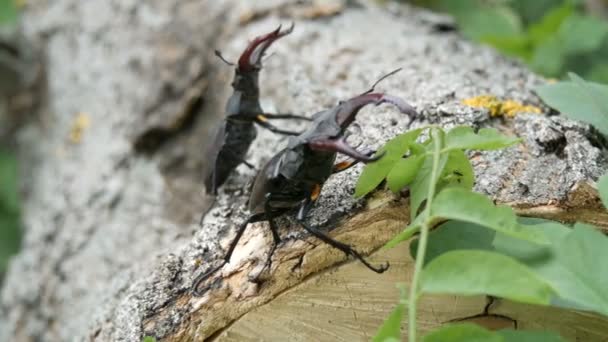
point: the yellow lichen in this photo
(80, 124)
(496, 107)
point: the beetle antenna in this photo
(381, 79)
(219, 55)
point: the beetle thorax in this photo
(302, 163)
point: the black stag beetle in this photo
(293, 178)
(237, 131)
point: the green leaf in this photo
(463, 137)
(602, 187)
(497, 21)
(481, 272)
(462, 332)
(149, 339)
(466, 332)
(406, 234)
(533, 11)
(10, 238)
(420, 186)
(8, 11)
(9, 194)
(374, 173)
(455, 235)
(548, 57)
(578, 270)
(580, 34)
(598, 72)
(566, 262)
(391, 328)
(516, 45)
(550, 23)
(510, 335)
(579, 100)
(463, 205)
(457, 172)
(404, 172)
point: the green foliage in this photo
(529, 336)
(8, 11)
(579, 100)
(9, 209)
(482, 248)
(454, 168)
(426, 177)
(552, 36)
(474, 333)
(390, 331)
(467, 206)
(463, 138)
(403, 172)
(462, 332)
(374, 173)
(566, 264)
(149, 339)
(455, 235)
(469, 272)
(561, 263)
(602, 185)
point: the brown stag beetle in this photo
(237, 131)
(293, 178)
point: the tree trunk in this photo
(111, 166)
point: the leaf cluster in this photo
(552, 36)
(477, 247)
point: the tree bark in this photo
(111, 166)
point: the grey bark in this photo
(112, 241)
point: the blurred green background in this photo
(10, 236)
(9, 208)
(551, 36)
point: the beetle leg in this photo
(262, 120)
(249, 165)
(340, 145)
(276, 238)
(348, 250)
(343, 165)
(347, 164)
(286, 116)
(239, 233)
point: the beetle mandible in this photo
(237, 131)
(293, 178)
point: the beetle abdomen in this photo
(228, 151)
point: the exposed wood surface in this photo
(349, 304)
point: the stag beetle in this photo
(237, 131)
(293, 178)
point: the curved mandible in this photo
(251, 58)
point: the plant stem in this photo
(422, 241)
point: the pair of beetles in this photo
(292, 179)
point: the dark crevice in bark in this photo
(154, 138)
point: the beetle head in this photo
(328, 134)
(251, 58)
(346, 111)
